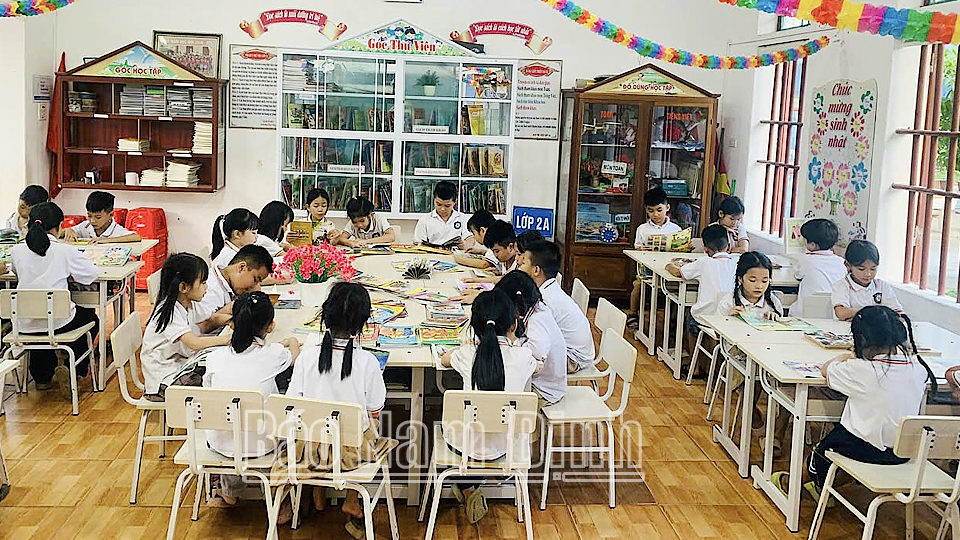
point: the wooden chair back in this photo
(20, 304)
(153, 286)
(313, 420)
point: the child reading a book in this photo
(479, 255)
(444, 226)
(730, 217)
(274, 218)
(171, 337)
(819, 268)
(100, 226)
(366, 227)
(231, 232)
(29, 197)
(752, 292)
(491, 361)
(861, 287)
(526, 238)
(501, 239)
(657, 206)
(318, 201)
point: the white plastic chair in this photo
(341, 426)
(817, 306)
(581, 295)
(581, 405)
(198, 409)
(153, 286)
(700, 348)
(920, 438)
(513, 414)
(608, 316)
(19, 304)
(125, 341)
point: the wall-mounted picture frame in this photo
(199, 52)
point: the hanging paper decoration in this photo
(651, 49)
(906, 24)
(27, 8)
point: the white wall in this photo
(12, 95)
(251, 154)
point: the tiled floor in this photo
(71, 478)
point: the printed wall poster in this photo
(538, 99)
(842, 115)
(254, 80)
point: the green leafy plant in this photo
(429, 78)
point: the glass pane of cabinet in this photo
(430, 104)
(677, 149)
(607, 175)
(425, 164)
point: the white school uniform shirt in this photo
(761, 307)
(850, 294)
(716, 275)
(431, 229)
(272, 246)
(491, 258)
(113, 230)
(50, 271)
(735, 234)
(518, 367)
(163, 353)
(650, 228)
(572, 322)
(226, 254)
(817, 272)
(879, 394)
(378, 227)
(363, 387)
(219, 293)
(545, 341)
(253, 369)
(13, 222)
(502, 268)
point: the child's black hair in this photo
(881, 328)
(272, 217)
(820, 231)
(481, 219)
(252, 315)
(861, 251)
(359, 207)
(500, 234)
(184, 268)
(33, 195)
(343, 313)
(44, 217)
(317, 193)
(255, 256)
(654, 197)
(493, 314)
(100, 201)
(524, 293)
(731, 206)
(715, 237)
(547, 256)
(526, 238)
(445, 191)
(238, 219)
(754, 259)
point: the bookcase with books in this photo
(620, 137)
(388, 114)
(135, 119)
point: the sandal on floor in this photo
(476, 506)
(777, 479)
(811, 488)
(457, 493)
(633, 322)
(4, 491)
(356, 528)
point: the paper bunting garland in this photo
(906, 24)
(651, 49)
(28, 8)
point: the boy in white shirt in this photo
(819, 268)
(730, 216)
(860, 287)
(251, 265)
(445, 226)
(100, 226)
(658, 223)
(365, 227)
(30, 196)
(478, 256)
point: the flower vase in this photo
(314, 294)
(833, 206)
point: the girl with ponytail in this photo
(248, 363)
(231, 232)
(43, 263)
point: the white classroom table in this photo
(418, 359)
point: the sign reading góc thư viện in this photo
(254, 81)
(529, 218)
(538, 99)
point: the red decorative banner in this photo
(257, 27)
(502, 28)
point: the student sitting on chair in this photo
(444, 226)
(100, 226)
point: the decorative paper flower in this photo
(828, 172)
(857, 123)
(822, 123)
(859, 177)
(819, 197)
(818, 103)
(842, 176)
(815, 170)
(316, 264)
(861, 147)
(849, 203)
(866, 102)
(816, 144)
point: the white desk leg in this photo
(4, 479)
(664, 351)
(98, 383)
(792, 511)
(654, 294)
(746, 419)
(416, 436)
(681, 330)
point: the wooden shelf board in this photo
(124, 187)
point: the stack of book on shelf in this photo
(299, 75)
(483, 196)
(182, 173)
(155, 101)
(131, 100)
(202, 102)
(133, 144)
(202, 138)
(178, 102)
(152, 177)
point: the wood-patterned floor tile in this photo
(85, 440)
(635, 522)
(689, 482)
(669, 443)
(703, 522)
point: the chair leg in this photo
(518, 498)
(955, 521)
(525, 496)
(391, 509)
(138, 458)
(871, 521)
(431, 478)
(274, 510)
(272, 513)
(721, 378)
(693, 357)
(201, 481)
(908, 517)
(437, 488)
(184, 478)
(367, 511)
(613, 483)
(548, 457)
(296, 499)
(72, 363)
(711, 373)
(163, 431)
(822, 503)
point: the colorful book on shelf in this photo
(105, 255)
(430, 335)
(783, 323)
(369, 335)
(806, 369)
(480, 287)
(398, 335)
(829, 340)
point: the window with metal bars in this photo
(932, 250)
(783, 145)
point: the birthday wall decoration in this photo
(259, 26)
(906, 24)
(839, 169)
(651, 49)
(533, 42)
(28, 8)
